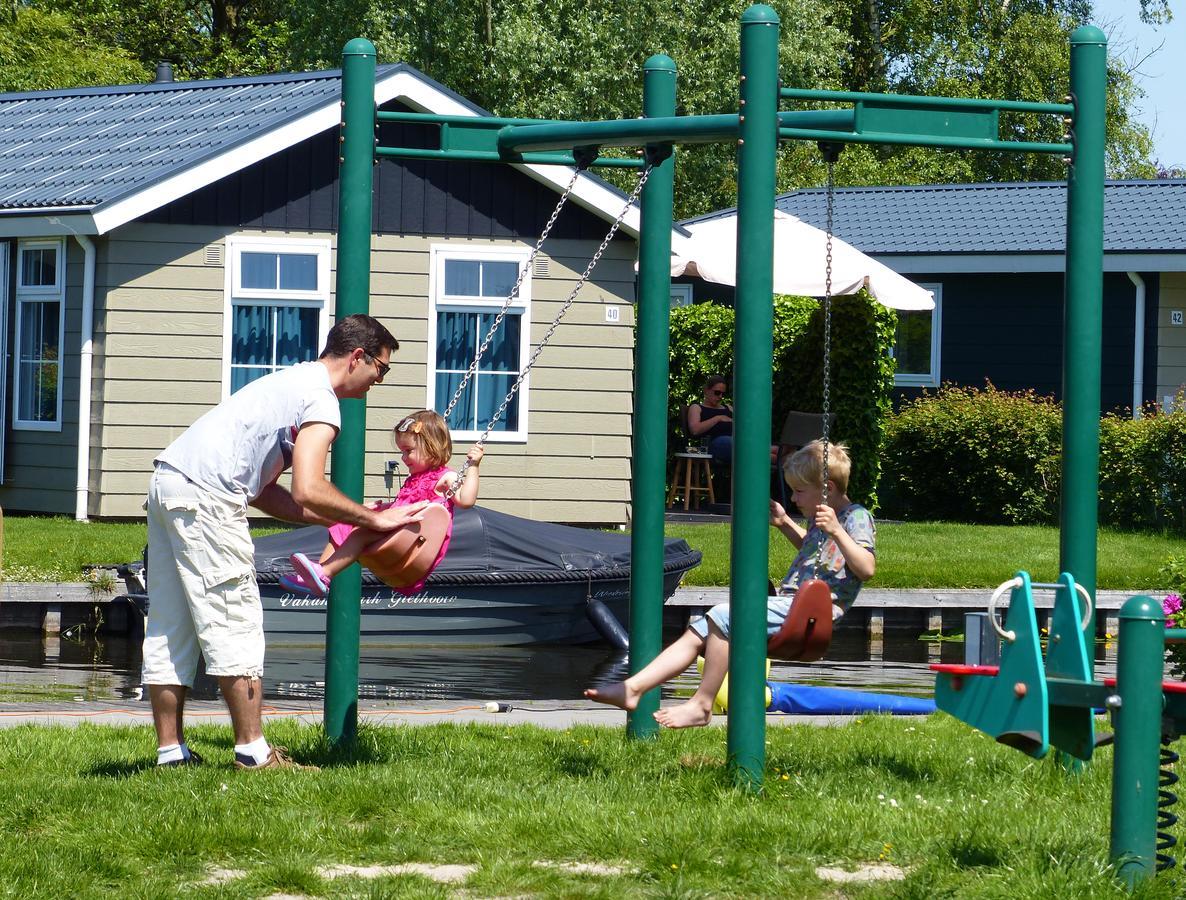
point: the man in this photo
(204, 597)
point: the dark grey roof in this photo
(86, 147)
(1139, 216)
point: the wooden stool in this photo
(692, 473)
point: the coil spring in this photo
(1166, 798)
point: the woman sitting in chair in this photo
(711, 420)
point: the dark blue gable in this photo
(297, 189)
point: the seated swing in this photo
(406, 556)
(806, 633)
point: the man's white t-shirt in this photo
(243, 444)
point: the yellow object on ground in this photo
(721, 703)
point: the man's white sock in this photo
(171, 753)
(257, 750)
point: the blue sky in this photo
(1162, 74)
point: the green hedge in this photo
(862, 369)
(989, 456)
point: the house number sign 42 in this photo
(1176, 317)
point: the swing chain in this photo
(513, 293)
(827, 404)
(539, 348)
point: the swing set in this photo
(755, 131)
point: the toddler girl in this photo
(425, 447)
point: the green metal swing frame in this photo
(939, 122)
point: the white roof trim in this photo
(402, 85)
(995, 263)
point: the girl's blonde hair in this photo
(431, 433)
(806, 465)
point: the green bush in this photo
(862, 369)
(989, 456)
(972, 455)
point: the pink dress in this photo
(421, 486)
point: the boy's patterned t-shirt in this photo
(831, 567)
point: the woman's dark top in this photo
(720, 429)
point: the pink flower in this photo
(1172, 607)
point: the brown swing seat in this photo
(403, 557)
(807, 631)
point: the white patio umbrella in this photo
(799, 262)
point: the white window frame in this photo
(931, 378)
(438, 302)
(681, 295)
(236, 246)
(39, 294)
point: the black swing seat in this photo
(807, 632)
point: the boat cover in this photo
(493, 546)
(813, 700)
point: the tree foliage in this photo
(573, 59)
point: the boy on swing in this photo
(837, 547)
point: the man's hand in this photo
(399, 516)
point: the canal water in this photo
(35, 668)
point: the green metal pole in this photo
(753, 350)
(1139, 659)
(1083, 316)
(651, 390)
(353, 296)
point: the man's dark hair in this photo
(362, 331)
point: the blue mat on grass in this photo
(806, 699)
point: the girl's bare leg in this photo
(697, 710)
(335, 559)
(671, 662)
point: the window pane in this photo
(498, 278)
(251, 336)
(39, 267)
(258, 271)
(298, 272)
(912, 342)
(462, 277)
(492, 389)
(462, 416)
(503, 353)
(244, 375)
(296, 335)
(37, 400)
(456, 341)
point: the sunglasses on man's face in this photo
(382, 367)
(718, 392)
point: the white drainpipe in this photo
(1138, 350)
(85, 356)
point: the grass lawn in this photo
(930, 554)
(530, 812)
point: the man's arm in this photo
(278, 503)
(314, 494)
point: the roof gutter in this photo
(1138, 348)
(85, 360)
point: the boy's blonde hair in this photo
(806, 466)
(431, 433)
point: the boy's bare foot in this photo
(618, 694)
(686, 715)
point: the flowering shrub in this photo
(1174, 571)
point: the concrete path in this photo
(545, 714)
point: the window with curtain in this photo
(916, 344)
(40, 305)
(469, 291)
(277, 308)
